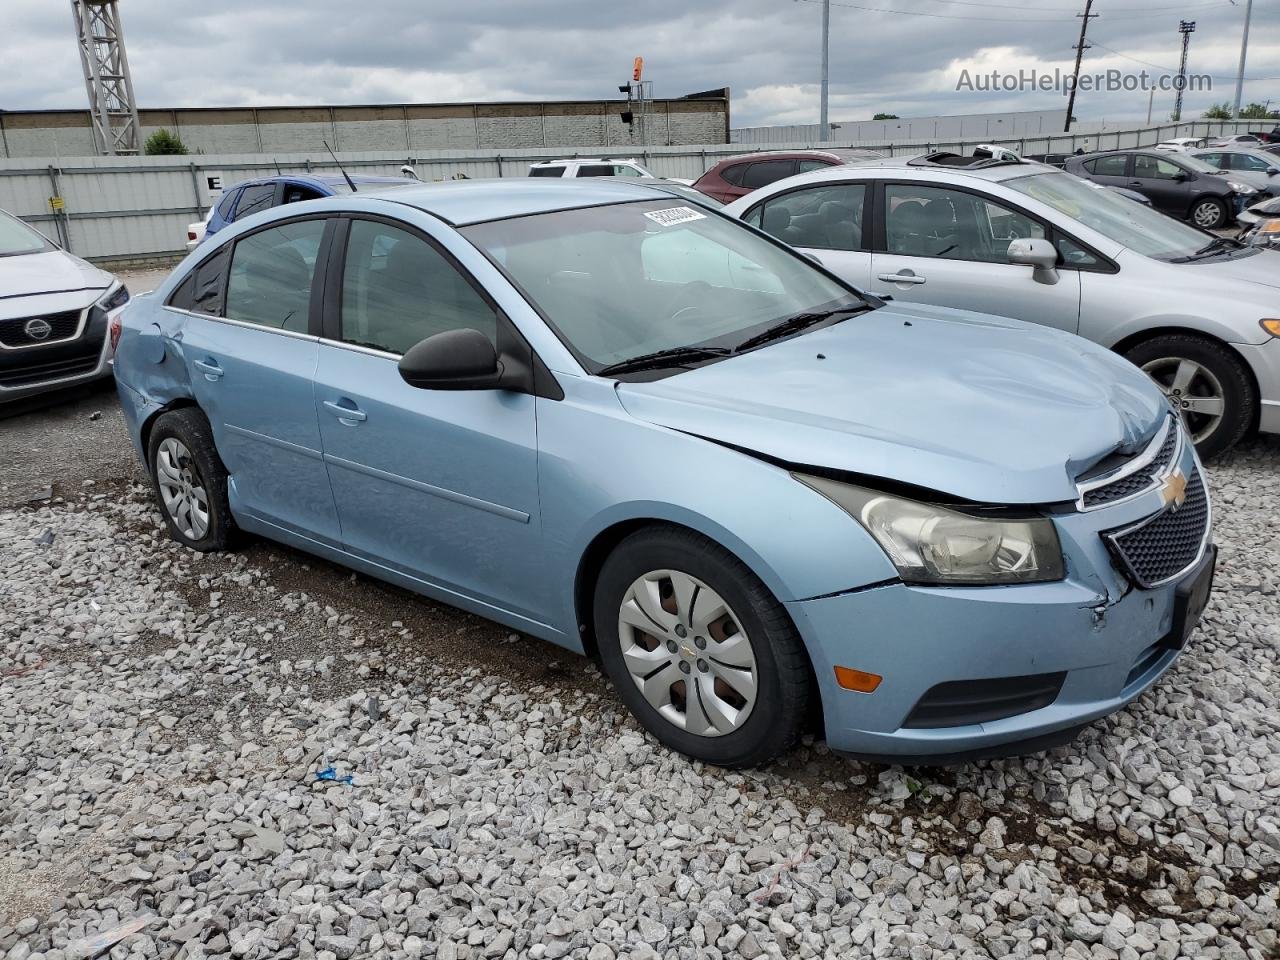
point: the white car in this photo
(1238, 140)
(195, 231)
(57, 314)
(1182, 144)
(590, 167)
(1025, 240)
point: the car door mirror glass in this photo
(1037, 253)
(461, 359)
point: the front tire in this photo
(1210, 213)
(701, 652)
(1206, 383)
(190, 481)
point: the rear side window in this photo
(827, 218)
(210, 278)
(270, 279)
(546, 171)
(765, 172)
(734, 174)
(227, 204)
(595, 170)
(1107, 166)
(253, 198)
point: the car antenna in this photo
(346, 176)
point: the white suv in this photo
(589, 167)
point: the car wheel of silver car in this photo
(190, 480)
(1209, 214)
(1205, 382)
(699, 649)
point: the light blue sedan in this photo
(631, 426)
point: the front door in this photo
(251, 358)
(826, 221)
(441, 485)
(949, 247)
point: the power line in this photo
(1162, 67)
(1139, 10)
(1144, 14)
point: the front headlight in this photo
(936, 545)
(1241, 188)
(117, 296)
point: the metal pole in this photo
(1080, 49)
(1186, 28)
(824, 125)
(1151, 102)
(1244, 51)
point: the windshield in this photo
(626, 280)
(1116, 217)
(17, 238)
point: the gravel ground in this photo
(262, 755)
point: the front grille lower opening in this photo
(961, 703)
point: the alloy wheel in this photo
(688, 653)
(181, 489)
(1193, 391)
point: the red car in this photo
(735, 177)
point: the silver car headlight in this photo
(936, 545)
(1241, 188)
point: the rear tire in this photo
(1201, 376)
(190, 481)
(1210, 213)
(713, 610)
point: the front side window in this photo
(398, 289)
(255, 198)
(1112, 166)
(1154, 168)
(951, 224)
(1245, 161)
(269, 282)
(827, 217)
(625, 280)
(626, 170)
(1117, 218)
(295, 193)
(808, 165)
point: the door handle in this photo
(903, 277)
(209, 368)
(350, 415)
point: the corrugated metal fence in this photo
(127, 208)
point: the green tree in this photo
(886, 116)
(1219, 111)
(162, 143)
(1257, 111)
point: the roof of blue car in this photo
(327, 179)
(461, 202)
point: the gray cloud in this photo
(256, 51)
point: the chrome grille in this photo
(1136, 480)
(63, 325)
(1159, 548)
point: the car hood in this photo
(54, 271)
(1263, 268)
(982, 408)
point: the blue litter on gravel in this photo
(329, 773)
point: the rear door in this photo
(825, 220)
(438, 484)
(251, 357)
(1163, 181)
(1113, 170)
(949, 246)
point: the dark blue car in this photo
(254, 196)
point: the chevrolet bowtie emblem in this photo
(1175, 489)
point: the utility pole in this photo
(1244, 52)
(106, 76)
(1186, 28)
(1080, 48)
(824, 125)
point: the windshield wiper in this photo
(793, 323)
(673, 357)
(1214, 246)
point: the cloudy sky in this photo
(898, 56)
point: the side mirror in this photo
(1181, 177)
(453, 360)
(1040, 254)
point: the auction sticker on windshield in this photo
(673, 215)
